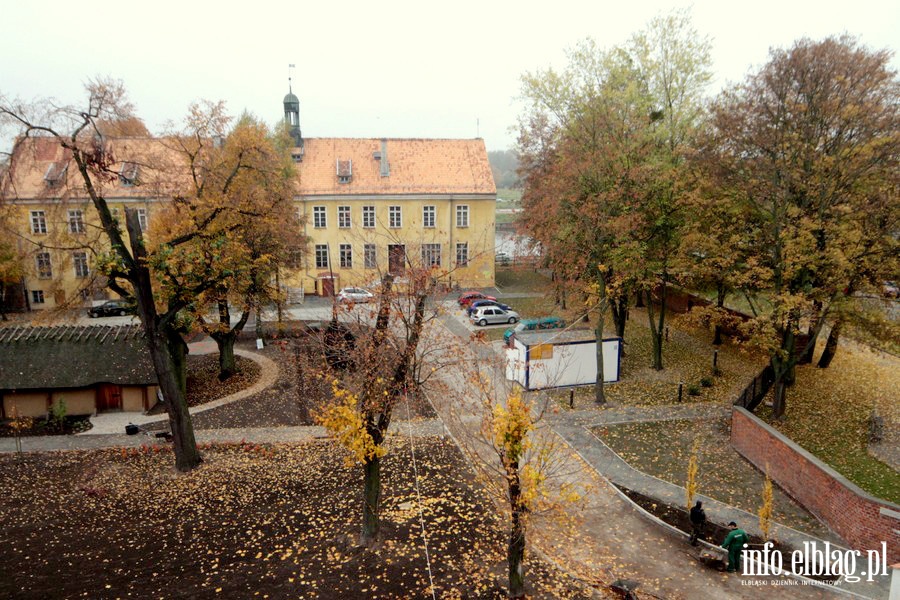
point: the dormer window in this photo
(344, 171)
(56, 173)
(128, 176)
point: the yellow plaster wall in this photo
(78, 402)
(63, 284)
(26, 404)
(133, 398)
(479, 235)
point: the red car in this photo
(468, 297)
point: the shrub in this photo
(57, 417)
(706, 382)
(693, 390)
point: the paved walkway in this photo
(614, 538)
(258, 435)
(114, 423)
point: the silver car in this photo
(354, 294)
(493, 315)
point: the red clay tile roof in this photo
(417, 166)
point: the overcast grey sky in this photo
(375, 68)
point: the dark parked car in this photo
(111, 308)
(468, 297)
(485, 302)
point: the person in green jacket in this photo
(734, 543)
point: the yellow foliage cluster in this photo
(767, 508)
(691, 486)
(511, 425)
(344, 420)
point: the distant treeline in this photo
(504, 164)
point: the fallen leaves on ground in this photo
(251, 521)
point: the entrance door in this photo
(109, 397)
(327, 286)
(396, 259)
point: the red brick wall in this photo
(846, 509)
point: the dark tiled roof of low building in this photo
(71, 356)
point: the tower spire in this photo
(292, 110)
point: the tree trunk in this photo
(515, 551)
(371, 525)
(720, 304)
(227, 363)
(656, 332)
(619, 309)
(599, 394)
(167, 351)
(783, 366)
(831, 345)
(602, 302)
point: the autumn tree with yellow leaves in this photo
(183, 257)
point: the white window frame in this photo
(345, 252)
(395, 217)
(462, 215)
(462, 254)
(429, 216)
(368, 215)
(76, 221)
(142, 218)
(344, 221)
(38, 222)
(321, 255)
(43, 265)
(320, 217)
(431, 255)
(370, 256)
(37, 297)
(80, 264)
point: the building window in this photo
(346, 251)
(319, 221)
(431, 255)
(76, 221)
(38, 222)
(369, 254)
(344, 171)
(462, 254)
(37, 296)
(462, 215)
(321, 256)
(128, 176)
(428, 216)
(395, 215)
(344, 217)
(44, 270)
(368, 217)
(80, 260)
(142, 218)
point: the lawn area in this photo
(828, 411)
(508, 197)
(252, 521)
(663, 449)
(687, 358)
(513, 280)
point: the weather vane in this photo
(290, 66)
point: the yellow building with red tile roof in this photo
(368, 206)
(376, 205)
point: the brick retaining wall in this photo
(861, 519)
